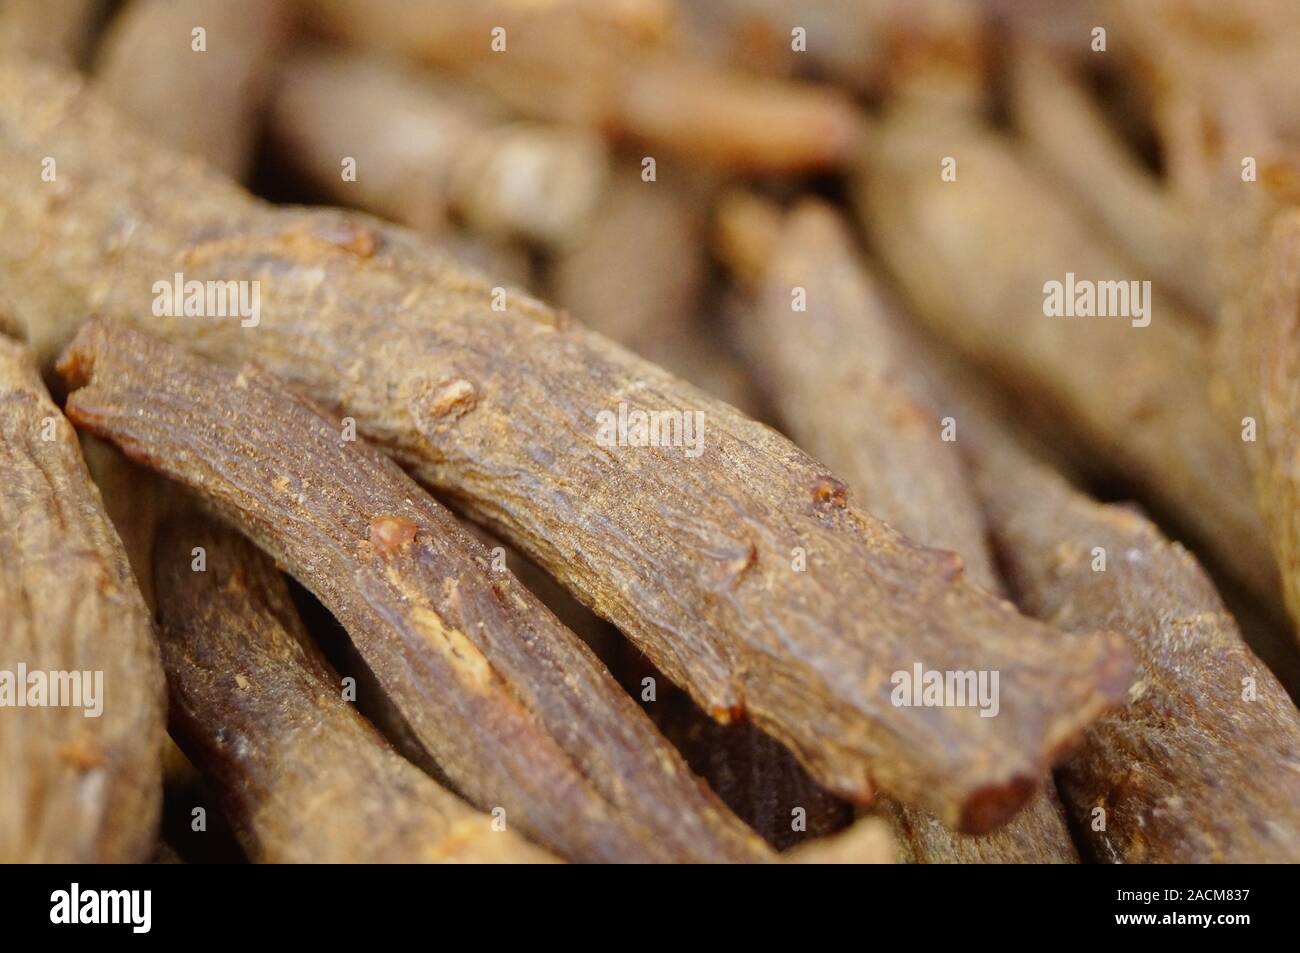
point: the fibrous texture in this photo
(734, 560)
(850, 391)
(515, 710)
(81, 707)
(303, 777)
(1203, 764)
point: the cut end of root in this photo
(991, 807)
(728, 716)
(77, 362)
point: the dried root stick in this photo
(849, 394)
(735, 561)
(1130, 388)
(846, 393)
(81, 693)
(136, 501)
(1252, 229)
(1152, 225)
(302, 777)
(637, 276)
(514, 709)
(572, 62)
(1259, 360)
(194, 73)
(423, 151)
(1203, 765)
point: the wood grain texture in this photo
(1203, 765)
(693, 557)
(850, 392)
(75, 787)
(302, 777)
(838, 372)
(516, 711)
